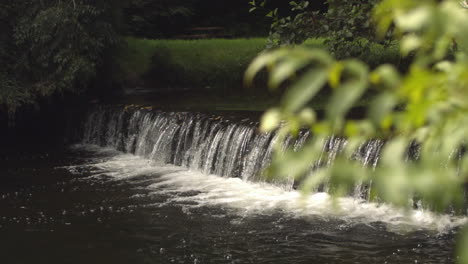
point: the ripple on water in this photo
(191, 189)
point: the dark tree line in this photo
(56, 47)
(167, 18)
(53, 47)
(50, 47)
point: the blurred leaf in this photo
(307, 116)
(304, 90)
(381, 107)
(262, 61)
(285, 69)
(270, 120)
(410, 43)
(394, 152)
(345, 96)
(386, 75)
(335, 74)
(415, 19)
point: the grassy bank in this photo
(212, 67)
(207, 63)
(217, 63)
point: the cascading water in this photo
(185, 188)
(217, 151)
(195, 141)
(203, 143)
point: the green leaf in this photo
(307, 116)
(381, 107)
(304, 90)
(415, 19)
(262, 61)
(284, 70)
(410, 43)
(387, 76)
(346, 95)
(335, 74)
(394, 152)
(270, 120)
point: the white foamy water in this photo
(192, 189)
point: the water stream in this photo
(154, 187)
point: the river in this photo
(93, 204)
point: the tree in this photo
(53, 47)
(166, 18)
(426, 106)
(11, 92)
(343, 23)
(158, 18)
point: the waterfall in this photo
(205, 143)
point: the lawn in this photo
(213, 68)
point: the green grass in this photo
(215, 63)
(189, 63)
(214, 68)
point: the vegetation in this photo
(52, 47)
(218, 64)
(346, 25)
(425, 106)
(168, 18)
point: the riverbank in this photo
(209, 64)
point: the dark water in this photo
(53, 213)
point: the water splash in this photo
(208, 144)
(192, 189)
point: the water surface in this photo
(95, 205)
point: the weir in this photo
(181, 187)
(206, 143)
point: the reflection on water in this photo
(92, 205)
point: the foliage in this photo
(426, 106)
(151, 18)
(63, 45)
(169, 18)
(292, 29)
(344, 23)
(53, 47)
(11, 93)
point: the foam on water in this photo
(192, 189)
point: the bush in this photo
(426, 105)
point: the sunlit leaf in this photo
(410, 43)
(284, 70)
(304, 89)
(386, 75)
(261, 62)
(335, 74)
(307, 116)
(415, 19)
(270, 120)
(351, 90)
(381, 107)
(394, 152)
